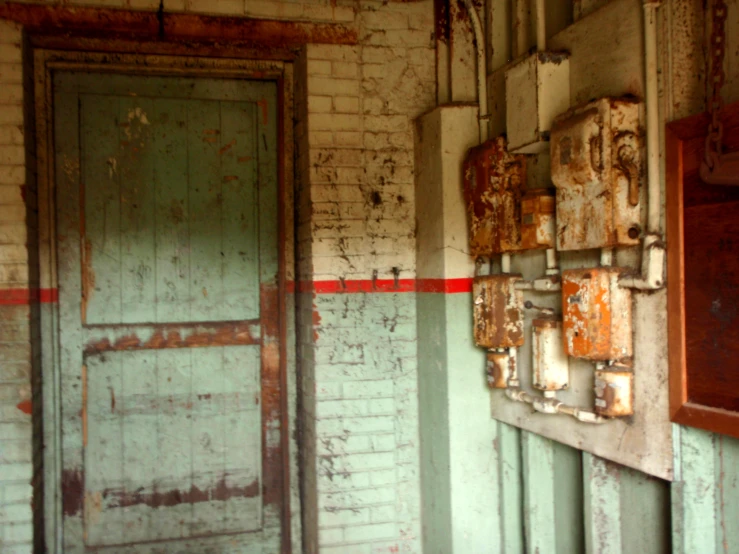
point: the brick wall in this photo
(16, 317)
(355, 206)
(364, 419)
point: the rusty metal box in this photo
(499, 368)
(596, 314)
(537, 88)
(614, 391)
(497, 311)
(537, 219)
(494, 181)
(550, 364)
(596, 157)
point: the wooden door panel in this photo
(170, 390)
(170, 210)
(168, 427)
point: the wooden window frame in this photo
(684, 140)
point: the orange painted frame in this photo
(684, 143)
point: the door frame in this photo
(45, 63)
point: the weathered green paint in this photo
(603, 528)
(564, 500)
(458, 462)
(538, 496)
(510, 467)
(167, 211)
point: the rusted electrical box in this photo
(494, 182)
(614, 391)
(537, 89)
(497, 311)
(537, 219)
(500, 367)
(596, 157)
(596, 314)
(550, 366)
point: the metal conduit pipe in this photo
(482, 71)
(541, 25)
(653, 248)
(546, 405)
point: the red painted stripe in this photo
(443, 286)
(21, 297)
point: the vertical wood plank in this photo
(601, 481)
(206, 201)
(169, 143)
(694, 493)
(511, 489)
(135, 167)
(568, 499)
(727, 499)
(645, 513)
(101, 211)
(239, 214)
(538, 485)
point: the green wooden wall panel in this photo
(602, 492)
(538, 495)
(508, 448)
(645, 513)
(568, 498)
(694, 521)
(727, 482)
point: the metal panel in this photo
(498, 314)
(494, 181)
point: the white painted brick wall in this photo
(16, 530)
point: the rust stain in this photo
(498, 318)
(494, 183)
(316, 324)
(221, 334)
(596, 314)
(243, 159)
(273, 455)
(73, 484)
(25, 406)
(112, 400)
(229, 178)
(499, 366)
(211, 132)
(112, 23)
(114, 498)
(265, 115)
(225, 148)
(211, 140)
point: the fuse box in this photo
(550, 366)
(494, 182)
(614, 391)
(596, 314)
(500, 367)
(497, 311)
(596, 159)
(537, 89)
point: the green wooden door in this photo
(167, 261)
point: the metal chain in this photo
(717, 47)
